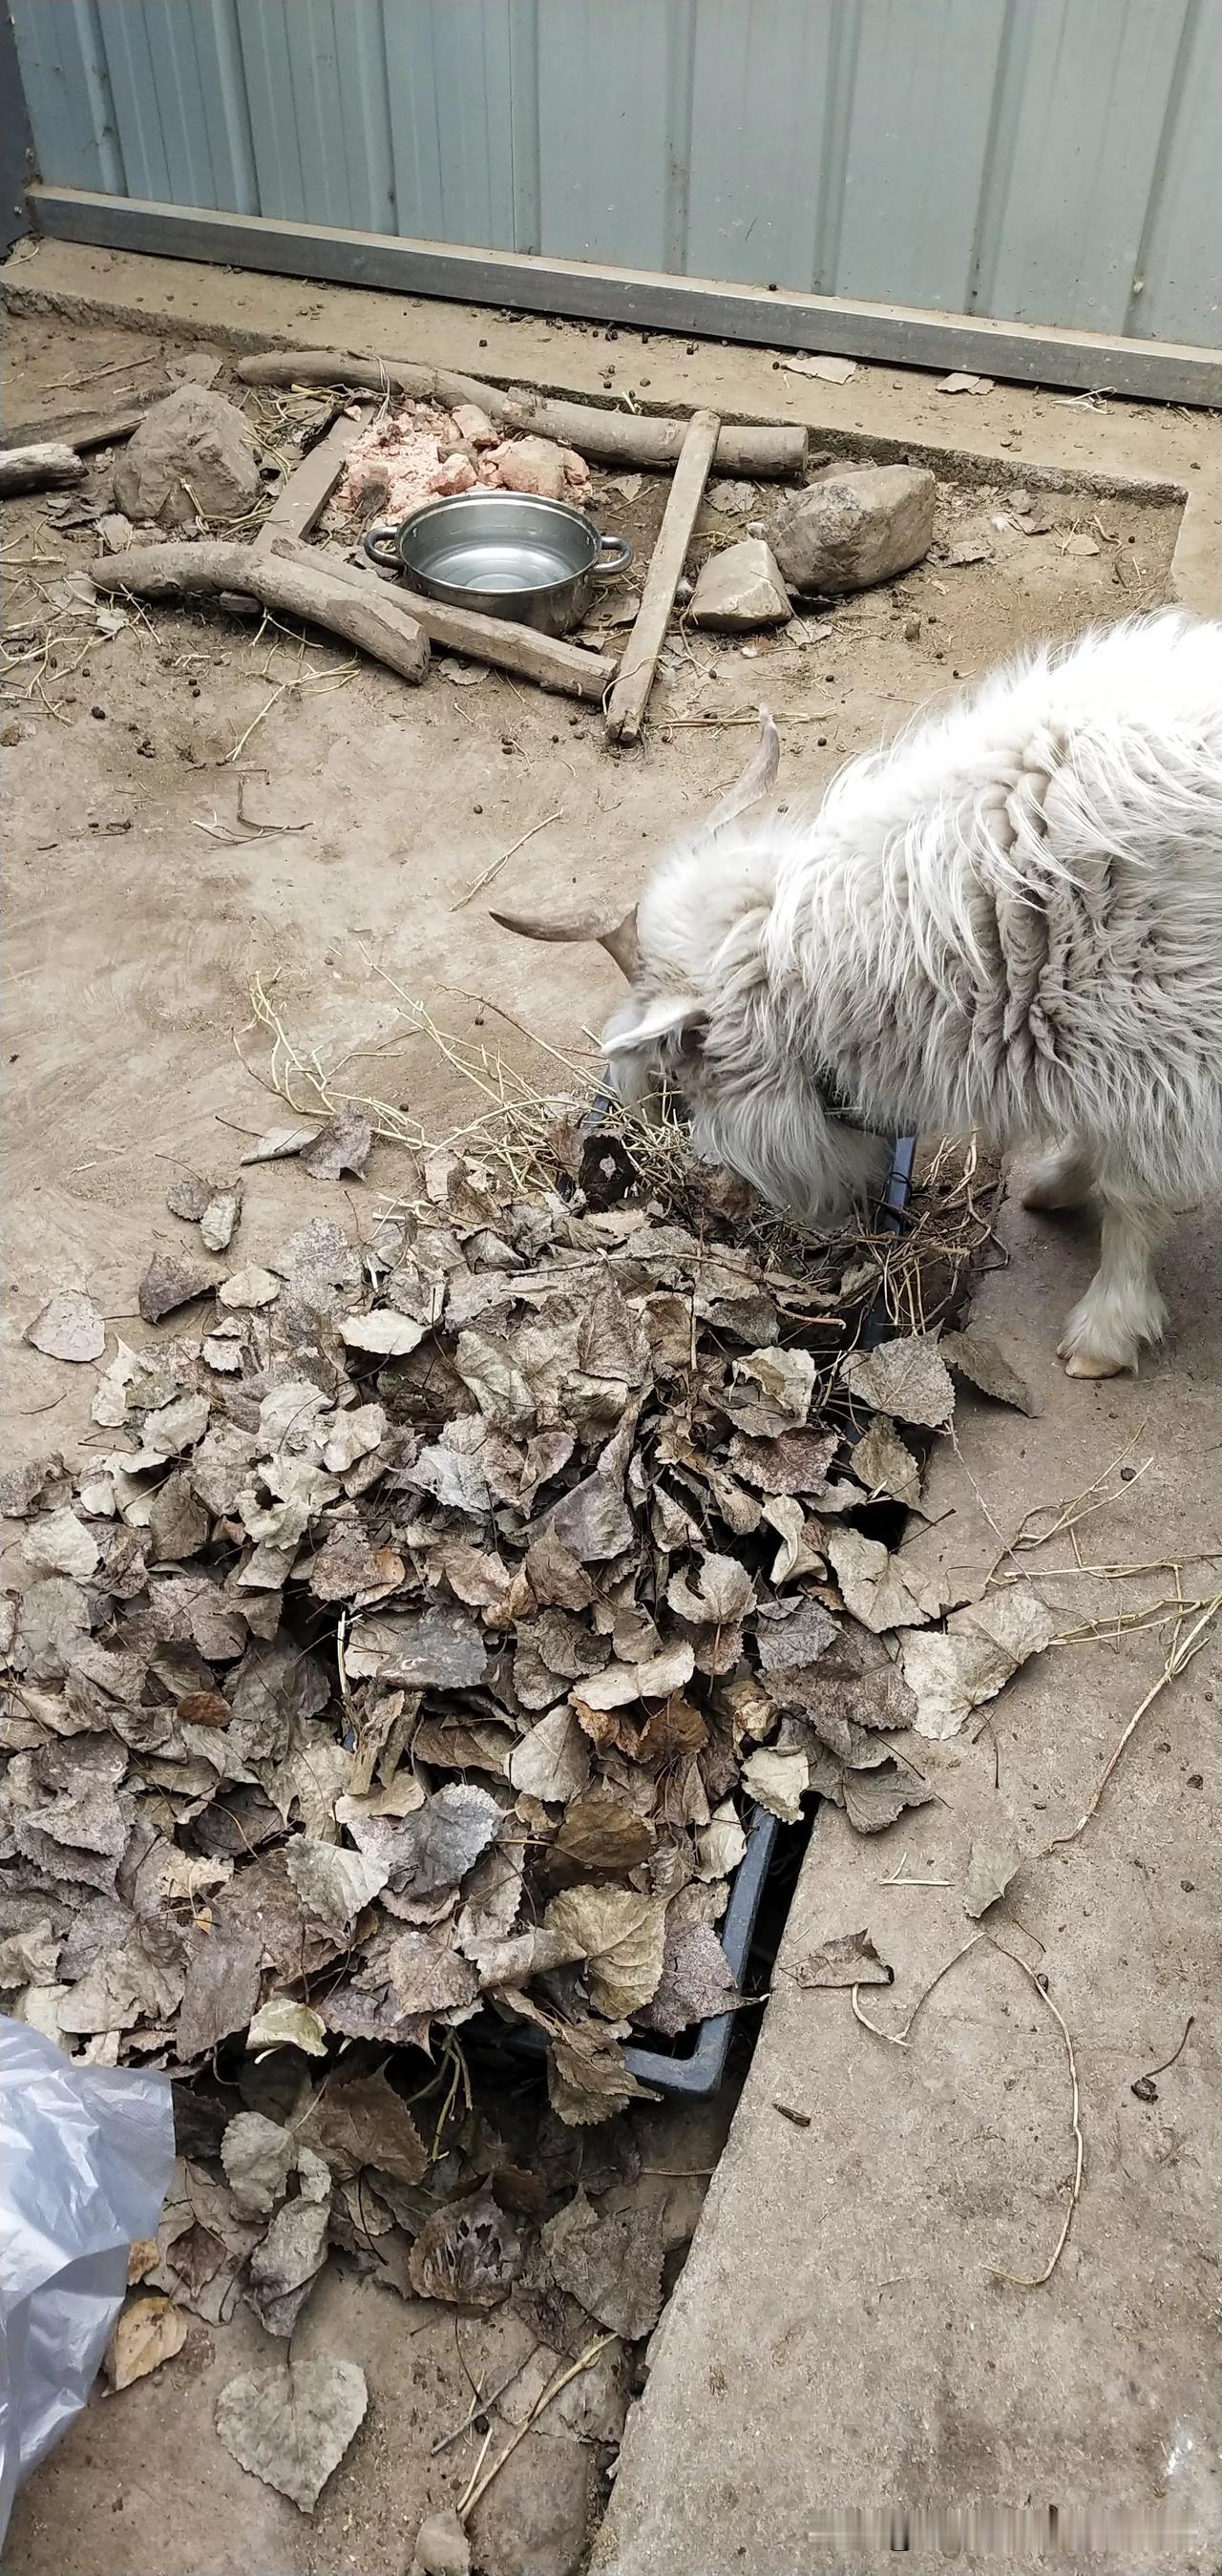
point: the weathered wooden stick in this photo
(288, 589)
(81, 429)
(628, 438)
(31, 469)
(610, 437)
(630, 696)
(304, 495)
(569, 669)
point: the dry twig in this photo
(1181, 1653)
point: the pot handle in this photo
(614, 557)
(374, 540)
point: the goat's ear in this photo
(642, 1024)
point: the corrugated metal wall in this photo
(1046, 161)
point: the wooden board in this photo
(630, 696)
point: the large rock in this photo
(195, 439)
(856, 528)
(740, 587)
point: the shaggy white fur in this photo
(1009, 922)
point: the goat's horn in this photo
(618, 938)
(758, 776)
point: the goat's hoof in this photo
(1090, 1363)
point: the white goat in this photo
(1009, 922)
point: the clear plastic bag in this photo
(86, 2154)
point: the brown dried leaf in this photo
(611, 1339)
(610, 2261)
(246, 1290)
(292, 2426)
(721, 1592)
(343, 1145)
(279, 1143)
(786, 1377)
(791, 1642)
(168, 1284)
(795, 1462)
(992, 1862)
(418, 1649)
(593, 1519)
(959, 1670)
(258, 2156)
(849, 1959)
(884, 1464)
(486, 1366)
(382, 1332)
(601, 1835)
(427, 1977)
(68, 1327)
(188, 1196)
(552, 1762)
(222, 1993)
(556, 1577)
(878, 1588)
(219, 1221)
(469, 2254)
(777, 1781)
(588, 2078)
(874, 1799)
(363, 2121)
(281, 2023)
(283, 2269)
(622, 1938)
(334, 1884)
(178, 1524)
(147, 2332)
(906, 1377)
(977, 1357)
(697, 1980)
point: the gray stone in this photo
(192, 457)
(114, 532)
(441, 2546)
(855, 529)
(534, 2518)
(740, 587)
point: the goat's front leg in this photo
(1062, 1178)
(1122, 1308)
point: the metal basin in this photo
(505, 554)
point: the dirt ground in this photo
(138, 914)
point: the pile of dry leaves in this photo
(413, 1649)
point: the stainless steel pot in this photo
(506, 554)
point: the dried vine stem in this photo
(1034, 1977)
(1183, 1648)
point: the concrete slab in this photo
(841, 2362)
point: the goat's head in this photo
(703, 1021)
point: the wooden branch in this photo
(569, 669)
(81, 429)
(304, 495)
(630, 696)
(610, 437)
(288, 589)
(636, 438)
(31, 469)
